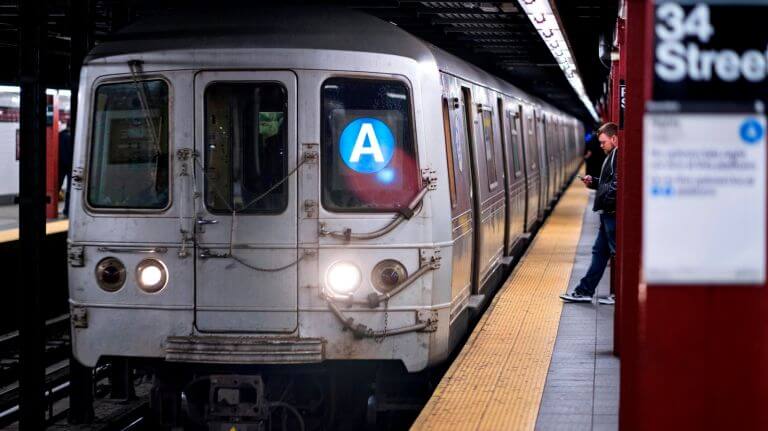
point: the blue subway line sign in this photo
(367, 145)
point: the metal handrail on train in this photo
(362, 331)
(403, 214)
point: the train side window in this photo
(490, 151)
(246, 145)
(447, 130)
(466, 100)
(503, 126)
(129, 166)
(532, 142)
(515, 127)
(368, 156)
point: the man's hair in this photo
(609, 129)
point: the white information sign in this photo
(704, 198)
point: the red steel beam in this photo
(52, 185)
(619, 71)
(632, 409)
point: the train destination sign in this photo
(704, 161)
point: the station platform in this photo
(9, 223)
(533, 362)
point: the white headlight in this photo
(152, 275)
(343, 278)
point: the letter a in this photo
(366, 131)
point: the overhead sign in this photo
(704, 198)
(366, 145)
(710, 50)
(704, 161)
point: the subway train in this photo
(293, 189)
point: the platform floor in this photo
(582, 389)
(531, 362)
(9, 223)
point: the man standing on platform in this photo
(605, 205)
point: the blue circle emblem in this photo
(751, 131)
(366, 145)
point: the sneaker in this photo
(575, 297)
(608, 300)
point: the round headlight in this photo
(387, 274)
(343, 278)
(110, 274)
(151, 275)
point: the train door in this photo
(515, 180)
(490, 177)
(460, 188)
(557, 181)
(469, 124)
(544, 168)
(246, 256)
(568, 154)
(531, 164)
(558, 155)
(567, 151)
(550, 125)
(563, 153)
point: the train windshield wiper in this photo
(135, 67)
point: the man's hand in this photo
(587, 180)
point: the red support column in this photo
(635, 405)
(52, 185)
(619, 68)
(614, 92)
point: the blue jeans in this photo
(605, 246)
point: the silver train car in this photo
(297, 187)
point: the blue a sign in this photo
(366, 145)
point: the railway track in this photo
(57, 347)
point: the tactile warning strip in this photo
(497, 380)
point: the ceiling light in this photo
(545, 22)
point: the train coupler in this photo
(236, 402)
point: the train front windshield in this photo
(368, 151)
(129, 154)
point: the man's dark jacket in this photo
(606, 184)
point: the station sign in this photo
(710, 51)
(704, 166)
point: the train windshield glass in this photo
(129, 158)
(368, 153)
(246, 147)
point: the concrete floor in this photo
(582, 388)
(9, 216)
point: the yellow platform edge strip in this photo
(52, 227)
(497, 380)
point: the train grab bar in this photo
(133, 250)
(404, 214)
